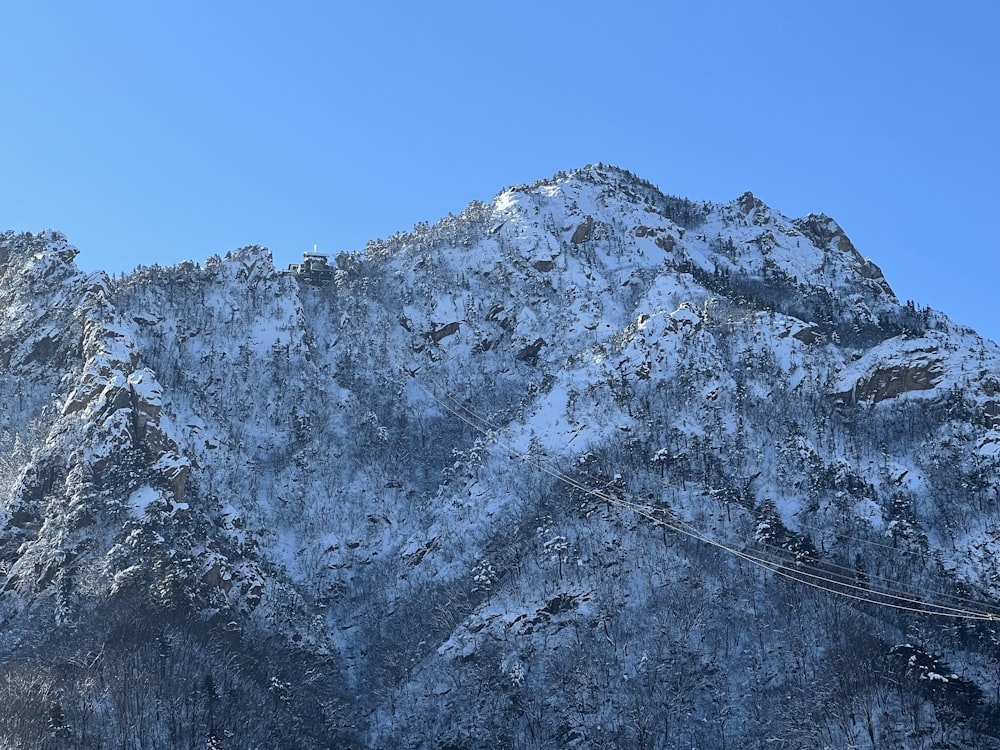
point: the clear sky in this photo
(156, 132)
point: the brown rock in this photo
(666, 242)
(894, 381)
(583, 232)
(808, 335)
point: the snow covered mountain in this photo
(588, 466)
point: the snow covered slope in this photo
(585, 466)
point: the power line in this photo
(802, 573)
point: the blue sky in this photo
(156, 132)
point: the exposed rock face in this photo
(582, 232)
(896, 381)
(455, 497)
(824, 231)
(808, 335)
(664, 240)
(530, 352)
(115, 391)
(748, 203)
(443, 332)
(889, 371)
(543, 265)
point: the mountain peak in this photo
(47, 254)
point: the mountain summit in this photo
(588, 466)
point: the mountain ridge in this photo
(565, 468)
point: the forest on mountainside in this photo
(587, 466)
